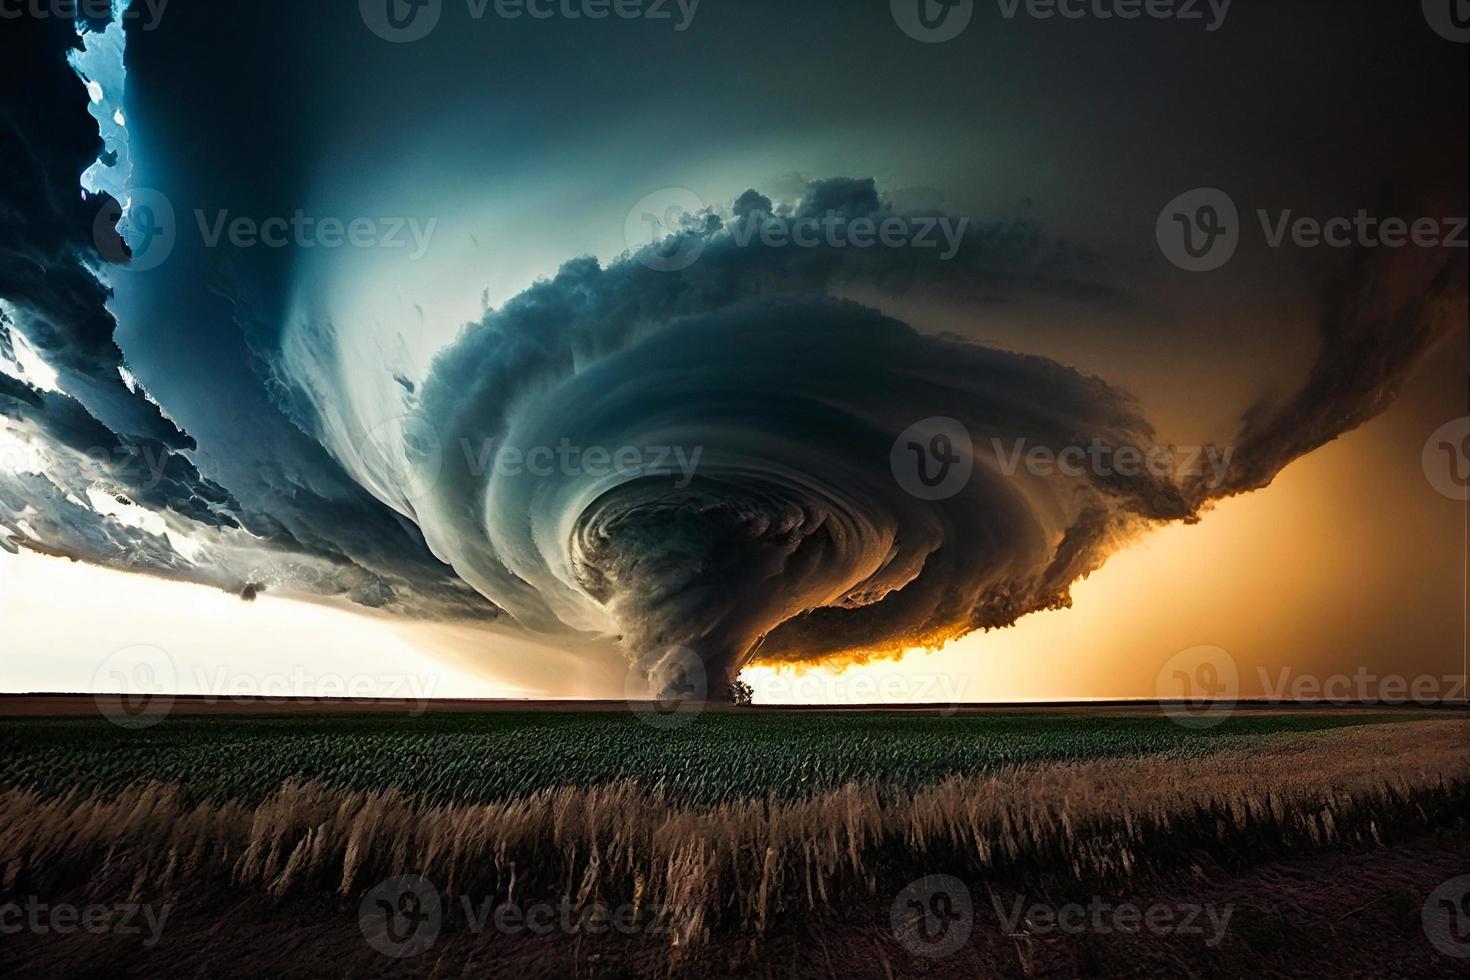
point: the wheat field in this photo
(736, 867)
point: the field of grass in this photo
(481, 758)
(1059, 804)
(741, 829)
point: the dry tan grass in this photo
(740, 865)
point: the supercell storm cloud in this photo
(725, 440)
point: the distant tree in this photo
(740, 693)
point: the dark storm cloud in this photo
(1380, 315)
(790, 532)
(101, 433)
(795, 535)
(794, 531)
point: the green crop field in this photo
(496, 756)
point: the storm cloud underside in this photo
(791, 539)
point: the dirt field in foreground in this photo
(1348, 915)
